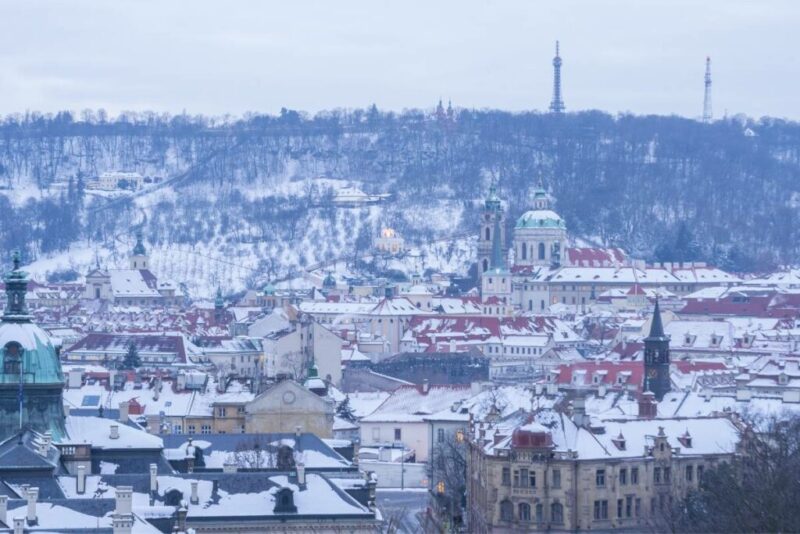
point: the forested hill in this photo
(663, 188)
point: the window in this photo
(541, 251)
(506, 476)
(557, 512)
(440, 487)
(601, 509)
(556, 478)
(634, 475)
(190, 429)
(221, 412)
(398, 434)
(539, 513)
(12, 358)
(506, 511)
(524, 250)
(600, 478)
(637, 507)
(667, 475)
(620, 504)
(176, 429)
(628, 506)
(516, 478)
(241, 429)
(524, 511)
(488, 234)
(623, 476)
(205, 429)
(657, 475)
(532, 479)
(440, 435)
(700, 473)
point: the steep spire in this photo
(557, 104)
(656, 327)
(16, 288)
(497, 260)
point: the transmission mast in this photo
(557, 105)
(707, 97)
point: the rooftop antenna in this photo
(707, 96)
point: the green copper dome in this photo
(31, 381)
(540, 219)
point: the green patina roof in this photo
(540, 219)
(269, 289)
(39, 363)
(493, 201)
(139, 250)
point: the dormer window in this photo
(12, 358)
(782, 379)
(619, 442)
(284, 502)
(686, 440)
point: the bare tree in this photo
(758, 491)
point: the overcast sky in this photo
(219, 57)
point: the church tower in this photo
(492, 217)
(496, 281)
(139, 259)
(31, 381)
(656, 358)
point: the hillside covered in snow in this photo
(236, 203)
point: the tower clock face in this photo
(652, 373)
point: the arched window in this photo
(541, 251)
(524, 251)
(488, 234)
(539, 513)
(12, 356)
(506, 511)
(524, 511)
(557, 512)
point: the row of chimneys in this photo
(122, 520)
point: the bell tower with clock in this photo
(656, 358)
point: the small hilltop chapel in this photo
(134, 286)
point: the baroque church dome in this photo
(540, 219)
(30, 370)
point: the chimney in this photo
(579, 412)
(80, 481)
(33, 496)
(3, 508)
(648, 408)
(19, 525)
(425, 386)
(124, 409)
(301, 474)
(195, 498)
(123, 499)
(182, 510)
(153, 479)
(114, 432)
